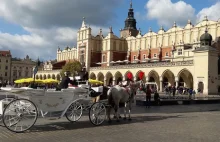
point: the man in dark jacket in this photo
(65, 81)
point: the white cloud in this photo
(166, 12)
(212, 12)
(51, 23)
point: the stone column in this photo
(177, 81)
(161, 84)
(113, 81)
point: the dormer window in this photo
(155, 55)
(144, 56)
(167, 54)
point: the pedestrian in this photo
(148, 97)
(157, 98)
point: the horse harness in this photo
(130, 94)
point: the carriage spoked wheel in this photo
(20, 115)
(97, 113)
(74, 112)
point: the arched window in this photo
(103, 58)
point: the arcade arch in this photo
(37, 77)
(41, 76)
(53, 76)
(153, 77)
(92, 76)
(58, 77)
(44, 77)
(118, 77)
(185, 78)
(100, 77)
(109, 78)
(138, 77)
(168, 78)
(126, 75)
(48, 76)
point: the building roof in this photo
(206, 36)
(5, 53)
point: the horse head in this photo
(134, 86)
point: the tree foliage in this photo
(72, 67)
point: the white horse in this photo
(118, 94)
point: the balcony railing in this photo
(48, 71)
(147, 65)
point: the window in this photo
(82, 56)
(26, 73)
(0, 60)
(167, 54)
(155, 55)
(6, 67)
(14, 73)
(6, 74)
(6, 61)
(19, 74)
(134, 57)
(103, 58)
(144, 56)
(180, 51)
(26, 68)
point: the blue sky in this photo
(38, 27)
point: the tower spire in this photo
(131, 4)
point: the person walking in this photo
(148, 97)
(156, 98)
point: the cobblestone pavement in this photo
(182, 123)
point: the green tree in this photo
(73, 67)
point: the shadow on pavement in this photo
(58, 126)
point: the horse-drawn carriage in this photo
(20, 114)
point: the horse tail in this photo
(109, 94)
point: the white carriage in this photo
(21, 114)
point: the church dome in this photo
(206, 36)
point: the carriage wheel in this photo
(97, 113)
(20, 115)
(74, 112)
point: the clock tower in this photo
(130, 28)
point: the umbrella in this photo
(50, 81)
(95, 81)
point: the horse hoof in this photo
(124, 118)
(129, 119)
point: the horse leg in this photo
(125, 107)
(116, 111)
(129, 111)
(108, 114)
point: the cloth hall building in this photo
(181, 56)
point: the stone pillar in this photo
(161, 84)
(177, 81)
(113, 81)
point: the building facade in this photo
(5, 66)
(21, 68)
(187, 56)
(181, 56)
(66, 54)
